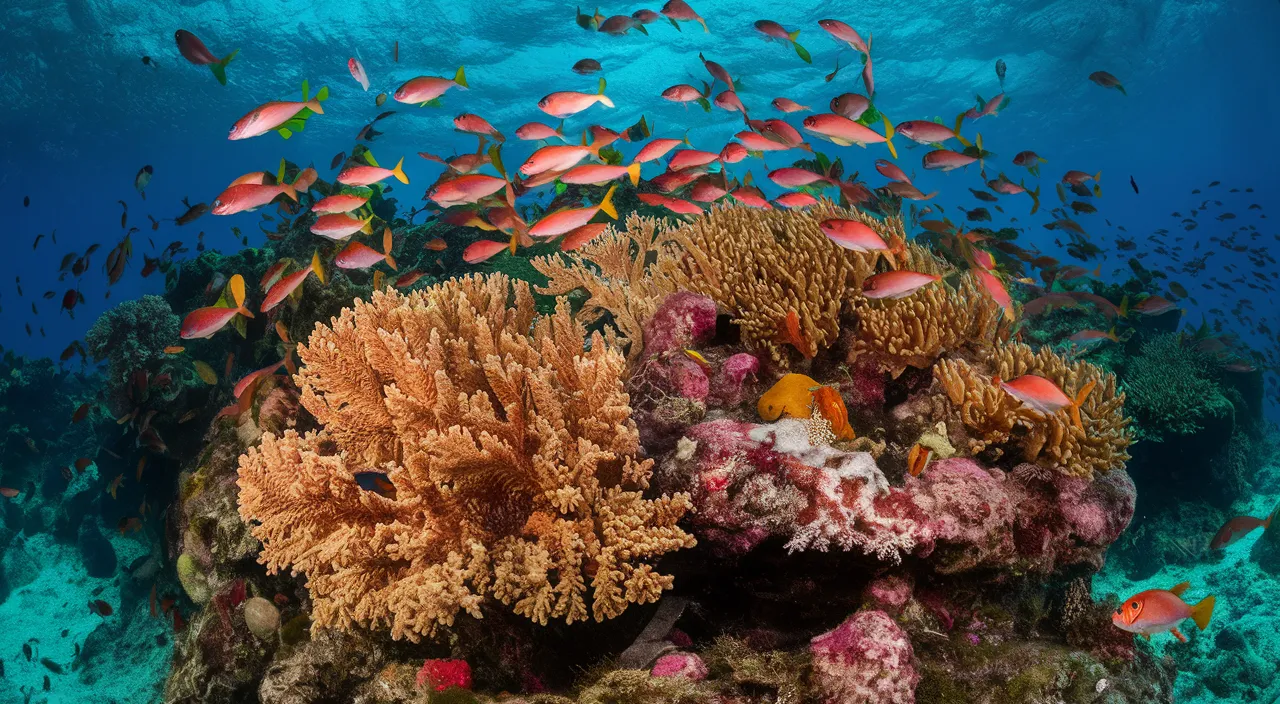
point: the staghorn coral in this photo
(510, 453)
(614, 269)
(992, 415)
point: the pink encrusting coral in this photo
(441, 674)
(889, 593)
(868, 659)
(729, 382)
(683, 320)
(686, 665)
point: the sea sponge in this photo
(791, 396)
(262, 617)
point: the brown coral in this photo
(510, 453)
(1053, 441)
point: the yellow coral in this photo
(511, 450)
(792, 395)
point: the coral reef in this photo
(507, 466)
(132, 336)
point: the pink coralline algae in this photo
(728, 384)
(868, 659)
(440, 675)
(686, 665)
(682, 321)
(889, 593)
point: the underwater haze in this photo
(928, 355)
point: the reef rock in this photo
(865, 660)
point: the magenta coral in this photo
(441, 674)
(686, 665)
(868, 659)
(683, 320)
(730, 378)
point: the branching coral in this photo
(1172, 388)
(614, 269)
(986, 410)
(510, 459)
(132, 335)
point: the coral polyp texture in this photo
(504, 459)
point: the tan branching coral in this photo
(916, 330)
(991, 415)
(615, 270)
(760, 264)
(505, 465)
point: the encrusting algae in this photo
(507, 465)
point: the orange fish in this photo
(480, 250)
(918, 459)
(142, 463)
(1044, 396)
(357, 255)
(8, 492)
(436, 245)
(287, 284)
(1240, 526)
(793, 335)
(1159, 611)
(249, 379)
(369, 174)
(174, 349)
(563, 221)
(828, 402)
(114, 486)
(567, 102)
(204, 322)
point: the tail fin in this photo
(290, 191)
(1266, 525)
(1079, 399)
(604, 99)
(1202, 612)
(237, 295)
(387, 243)
(800, 51)
(633, 171)
(607, 203)
(316, 266)
(1035, 199)
(398, 172)
(461, 78)
(220, 68)
(888, 136)
(959, 124)
(366, 228)
(1124, 307)
(560, 131)
(963, 141)
(314, 105)
(792, 35)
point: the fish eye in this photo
(1133, 605)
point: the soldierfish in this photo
(357, 255)
(1238, 527)
(1044, 396)
(196, 52)
(566, 103)
(1159, 611)
(563, 221)
(281, 289)
(896, 284)
(425, 90)
(204, 322)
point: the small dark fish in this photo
(382, 98)
(978, 214)
(148, 61)
(337, 159)
(26, 651)
(26, 201)
(47, 683)
(376, 482)
(983, 196)
(395, 52)
(1134, 184)
(1214, 183)
(193, 212)
(37, 242)
(586, 67)
(1000, 69)
(54, 667)
(100, 607)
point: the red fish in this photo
(843, 131)
(896, 284)
(196, 52)
(946, 160)
(788, 105)
(481, 250)
(281, 289)
(1154, 305)
(796, 200)
(336, 226)
(1159, 611)
(249, 196)
(474, 124)
(426, 90)
(576, 238)
(568, 102)
(690, 158)
(679, 11)
(270, 116)
(532, 131)
(563, 221)
(100, 607)
(675, 205)
(357, 255)
(469, 188)
(773, 30)
(339, 203)
(854, 235)
(891, 171)
(204, 322)
(1240, 526)
(557, 157)
(996, 288)
(596, 174)
(685, 93)
(927, 132)
(1044, 396)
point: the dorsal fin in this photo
(1178, 589)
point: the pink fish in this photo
(1154, 305)
(685, 93)
(728, 100)
(557, 157)
(474, 124)
(717, 71)
(843, 131)
(853, 235)
(368, 174)
(794, 177)
(249, 196)
(357, 72)
(927, 132)
(796, 200)
(1233, 530)
(890, 170)
(270, 116)
(658, 148)
(679, 10)
(423, 90)
(1044, 396)
(996, 289)
(336, 226)
(675, 205)
(850, 105)
(733, 153)
(896, 284)
(357, 255)
(563, 221)
(204, 322)
(689, 158)
(339, 203)
(757, 142)
(908, 191)
(990, 107)
(596, 174)
(196, 52)
(532, 131)
(846, 34)
(788, 105)
(946, 160)
(566, 103)
(576, 238)
(481, 250)
(1159, 611)
(469, 188)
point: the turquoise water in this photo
(95, 91)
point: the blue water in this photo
(82, 113)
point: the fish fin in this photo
(219, 68)
(1178, 634)
(368, 158)
(398, 172)
(959, 123)
(316, 266)
(387, 243)
(1035, 199)
(1179, 588)
(964, 141)
(703, 102)
(560, 131)
(314, 106)
(888, 137)
(1121, 89)
(674, 24)
(704, 25)
(640, 28)
(284, 132)
(366, 228)
(1266, 525)
(633, 171)
(290, 191)
(1202, 612)
(792, 36)
(801, 51)
(461, 77)
(606, 204)
(1146, 635)
(1124, 307)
